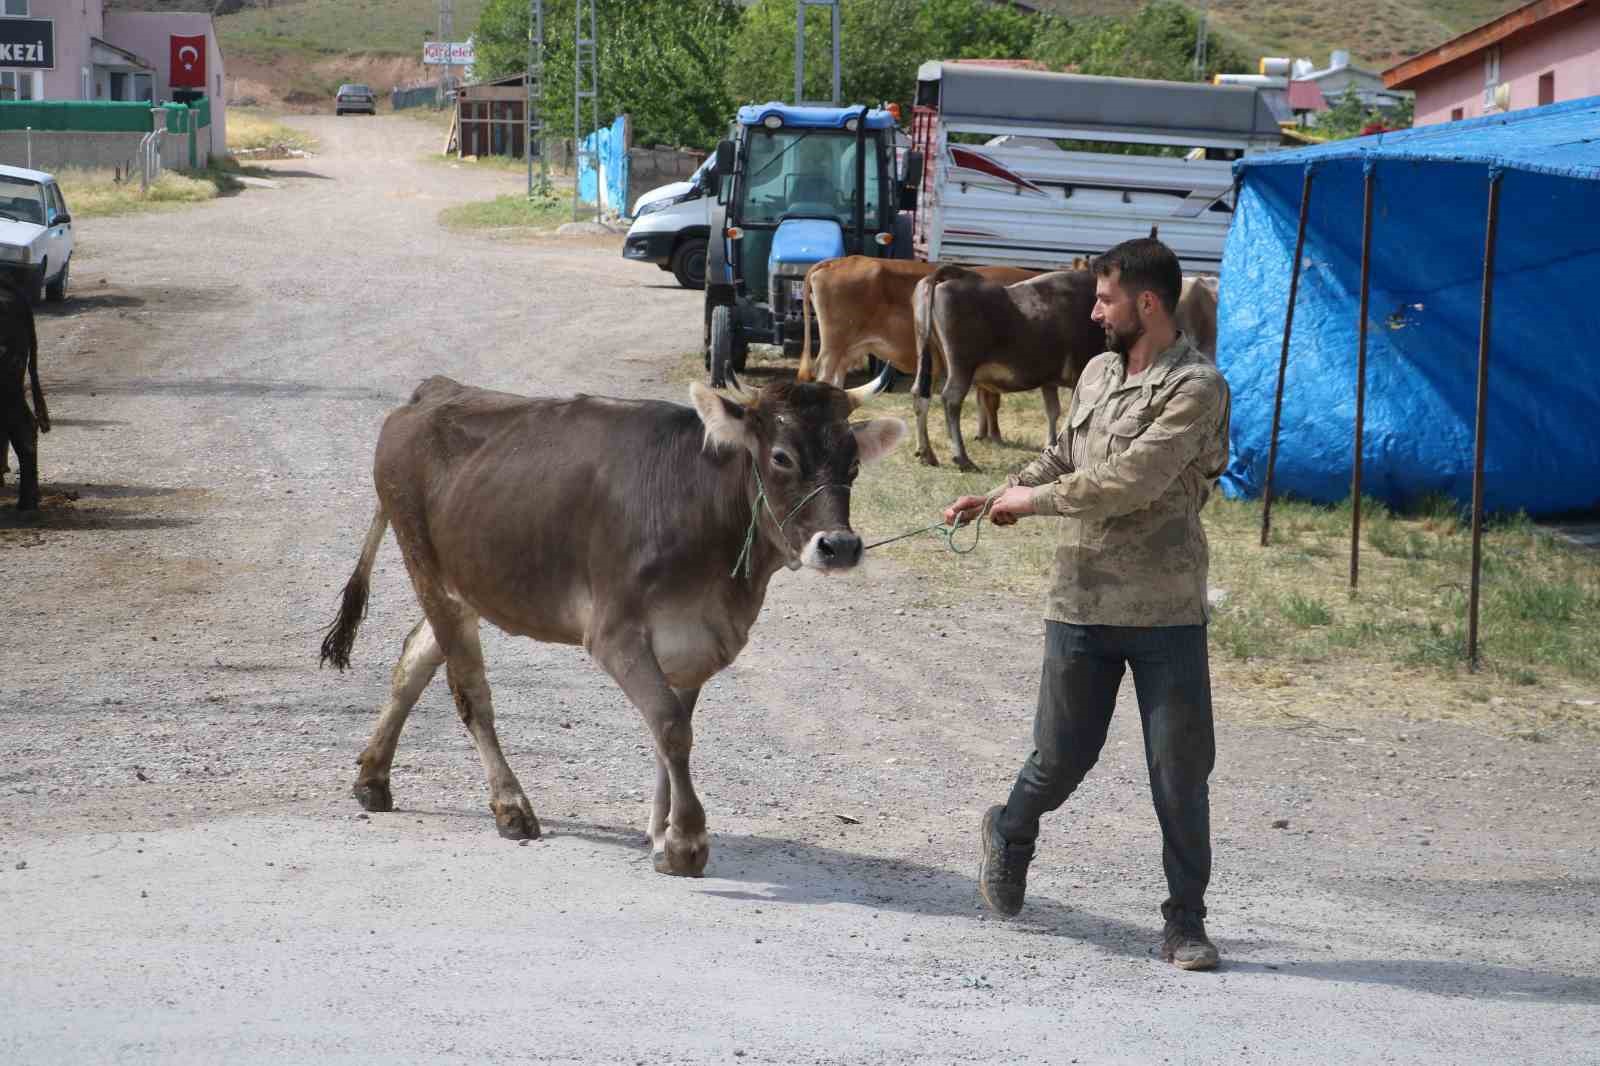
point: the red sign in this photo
(188, 62)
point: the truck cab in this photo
(794, 186)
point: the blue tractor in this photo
(795, 186)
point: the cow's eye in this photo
(782, 461)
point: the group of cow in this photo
(998, 329)
(20, 427)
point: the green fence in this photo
(101, 116)
(83, 116)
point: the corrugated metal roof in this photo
(1561, 139)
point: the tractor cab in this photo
(795, 186)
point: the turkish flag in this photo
(188, 62)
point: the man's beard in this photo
(1122, 342)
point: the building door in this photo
(1547, 88)
(119, 85)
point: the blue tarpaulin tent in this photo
(1431, 194)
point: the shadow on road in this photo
(789, 871)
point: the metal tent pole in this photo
(1361, 372)
(1479, 432)
(1283, 359)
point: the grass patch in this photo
(249, 130)
(95, 193)
(513, 211)
(1305, 611)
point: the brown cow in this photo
(615, 524)
(1034, 334)
(864, 308)
(1197, 313)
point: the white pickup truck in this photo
(35, 233)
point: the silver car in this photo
(354, 98)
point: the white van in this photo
(670, 228)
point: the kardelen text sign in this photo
(448, 53)
(28, 44)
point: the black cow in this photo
(19, 429)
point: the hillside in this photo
(1376, 33)
(298, 50)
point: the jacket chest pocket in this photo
(1127, 425)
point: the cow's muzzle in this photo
(839, 549)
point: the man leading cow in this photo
(1146, 437)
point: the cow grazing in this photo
(19, 428)
(1033, 334)
(614, 524)
(864, 308)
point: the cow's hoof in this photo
(374, 797)
(967, 466)
(517, 822)
(683, 856)
(928, 458)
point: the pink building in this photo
(75, 50)
(1542, 53)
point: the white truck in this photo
(671, 224)
(1016, 170)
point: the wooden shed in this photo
(490, 118)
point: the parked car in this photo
(35, 233)
(354, 98)
(670, 227)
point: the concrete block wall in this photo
(52, 151)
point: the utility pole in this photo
(447, 33)
(1200, 45)
(800, 46)
(535, 101)
(586, 72)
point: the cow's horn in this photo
(862, 393)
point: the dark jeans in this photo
(1082, 671)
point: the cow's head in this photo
(808, 453)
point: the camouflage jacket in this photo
(1128, 475)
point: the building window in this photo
(1547, 88)
(17, 7)
(16, 85)
(1457, 114)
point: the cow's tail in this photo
(41, 413)
(922, 387)
(807, 371)
(339, 637)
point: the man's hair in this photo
(1144, 264)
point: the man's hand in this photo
(1010, 505)
(964, 510)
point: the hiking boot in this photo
(1184, 942)
(1003, 875)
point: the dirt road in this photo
(185, 878)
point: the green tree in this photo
(881, 44)
(1349, 117)
(1156, 42)
(660, 61)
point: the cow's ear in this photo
(877, 438)
(727, 423)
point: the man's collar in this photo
(1163, 364)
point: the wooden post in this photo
(1283, 359)
(1361, 373)
(1480, 430)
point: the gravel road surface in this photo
(184, 877)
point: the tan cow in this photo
(864, 308)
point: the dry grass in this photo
(1291, 640)
(94, 193)
(247, 129)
